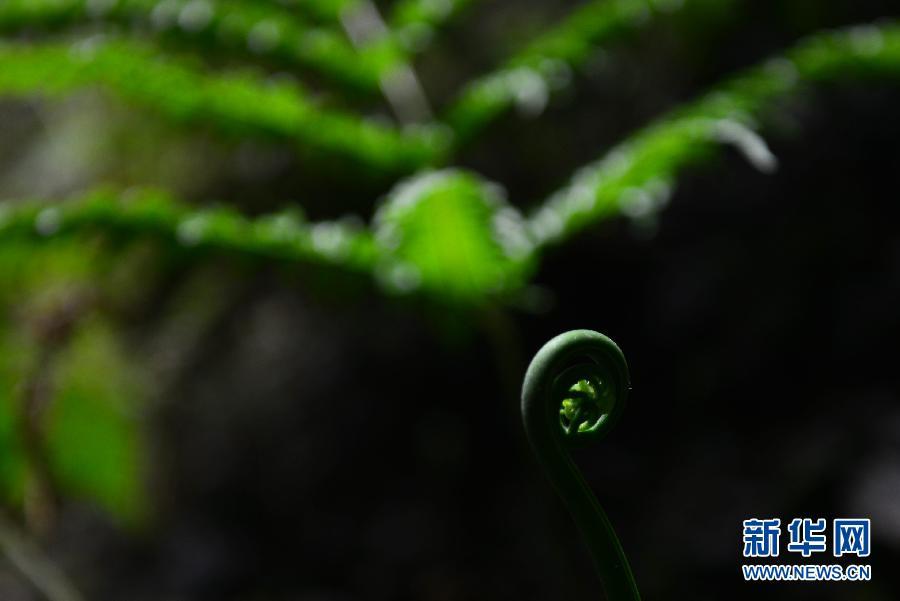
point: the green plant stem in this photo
(578, 354)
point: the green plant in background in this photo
(74, 269)
(634, 178)
(574, 392)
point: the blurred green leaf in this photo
(451, 233)
(94, 432)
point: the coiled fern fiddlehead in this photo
(574, 392)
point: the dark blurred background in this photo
(314, 440)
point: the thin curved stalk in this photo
(574, 392)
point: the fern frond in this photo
(544, 66)
(253, 29)
(452, 233)
(447, 233)
(238, 103)
(277, 237)
(636, 177)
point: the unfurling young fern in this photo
(574, 393)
